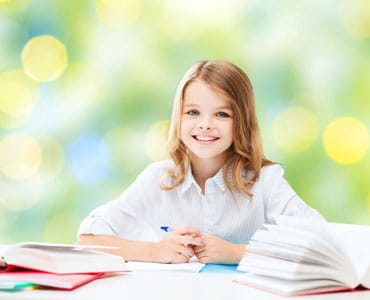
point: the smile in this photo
(205, 138)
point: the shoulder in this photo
(271, 172)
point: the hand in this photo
(216, 250)
(177, 247)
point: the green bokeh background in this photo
(107, 113)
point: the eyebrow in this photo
(217, 108)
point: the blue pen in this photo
(165, 228)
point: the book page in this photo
(365, 280)
(289, 288)
(355, 242)
(59, 258)
(59, 247)
(351, 240)
(295, 244)
(291, 271)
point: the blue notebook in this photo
(219, 268)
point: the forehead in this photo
(200, 93)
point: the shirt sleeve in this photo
(280, 198)
(125, 216)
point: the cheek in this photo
(230, 133)
(182, 130)
(185, 127)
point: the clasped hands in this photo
(185, 242)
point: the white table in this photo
(165, 286)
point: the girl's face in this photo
(206, 122)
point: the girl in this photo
(214, 193)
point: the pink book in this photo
(60, 281)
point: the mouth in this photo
(205, 138)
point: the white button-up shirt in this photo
(141, 211)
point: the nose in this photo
(205, 128)
(205, 124)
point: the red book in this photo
(57, 265)
(60, 281)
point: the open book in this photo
(60, 258)
(300, 256)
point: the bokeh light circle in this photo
(295, 129)
(346, 140)
(20, 156)
(44, 58)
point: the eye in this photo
(223, 114)
(192, 112)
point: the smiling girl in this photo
(215, 191)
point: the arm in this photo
(175, 248)
(216, 250)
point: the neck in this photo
(203, 169)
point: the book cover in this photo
(60, 281)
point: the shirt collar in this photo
(190, 180)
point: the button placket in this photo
(209, 207)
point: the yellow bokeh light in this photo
(295, 129)
(44, 58)
(346, 140)
(354, 16)
(14, 6)
(156, 138)
(20, 156)
(118, 13)
(18, 93)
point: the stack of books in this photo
(298, 256)
(60, 266)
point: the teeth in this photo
(205, 138)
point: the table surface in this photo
(168, 285)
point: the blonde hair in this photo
(247, 158)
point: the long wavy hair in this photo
(246, 153)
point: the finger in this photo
(204, 260)
(188, 230)
(202, 257)
(186, 251)
(190, 240)
(180, 258)
(199, 251)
